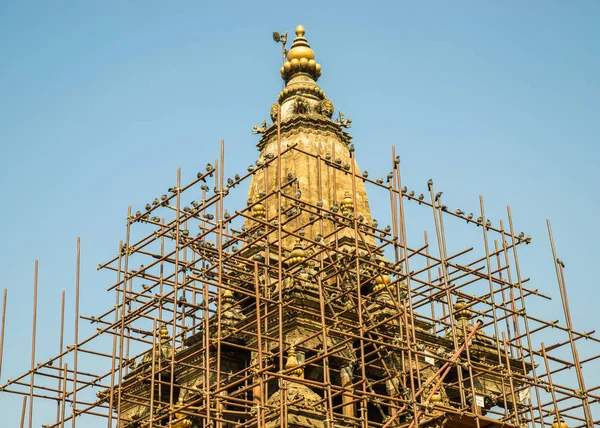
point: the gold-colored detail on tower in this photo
(300, 58)
(227, 297)
(347, 204)
(298, 254)
(307, 89)
(461, 312)
(380, 282)
(164, 333)
(300, 48)
(436, 398)
(559, 423)
(182, 420)
(183, 423)
(292, 362)
(258, 211)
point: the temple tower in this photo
(295, 308)
(302, 119)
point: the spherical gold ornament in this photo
(461, 312)
(298, 255)
(347, 205)
(380, 282)
(312, 64)
(164, 332)
(300, 31)
(295, 64)
(559, 423)
(292, 363)
(303, 62)
(227, 294)
(258, 211)
(383, 279)
(300, 52)
(287, 66)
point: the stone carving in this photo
(300, 105)
(274, 111)
(342, 121)
(260, 129)
(327, 108)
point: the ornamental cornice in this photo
(311, 123)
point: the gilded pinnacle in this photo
(164, 332)
(300, 58)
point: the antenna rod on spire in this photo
(281, 38)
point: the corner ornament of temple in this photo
(274, 112)
(327, 108)
(260, 129)
(342, 121)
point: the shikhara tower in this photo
(297, 309)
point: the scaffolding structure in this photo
(219, 321)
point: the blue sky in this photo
(101, 102)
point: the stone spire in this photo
(316, 162)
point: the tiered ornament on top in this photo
(300, 58)
(300, 73)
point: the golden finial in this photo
(347, 204)
(227, 297)
(300, 58)
(298, 255)
(227, 293)
(164, 332)
(183, 419)
(380, 282)
(461, 312)
(292, 362)
(559, 423)
(258, 210)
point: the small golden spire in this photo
(300, 58)
(461, 312)
(298, 255)
(227, 297)
(381, 280)
(292, 362)
(347, 204)
(258, 210)
(559, 422)
(164, 332)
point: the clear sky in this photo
(100, 102)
